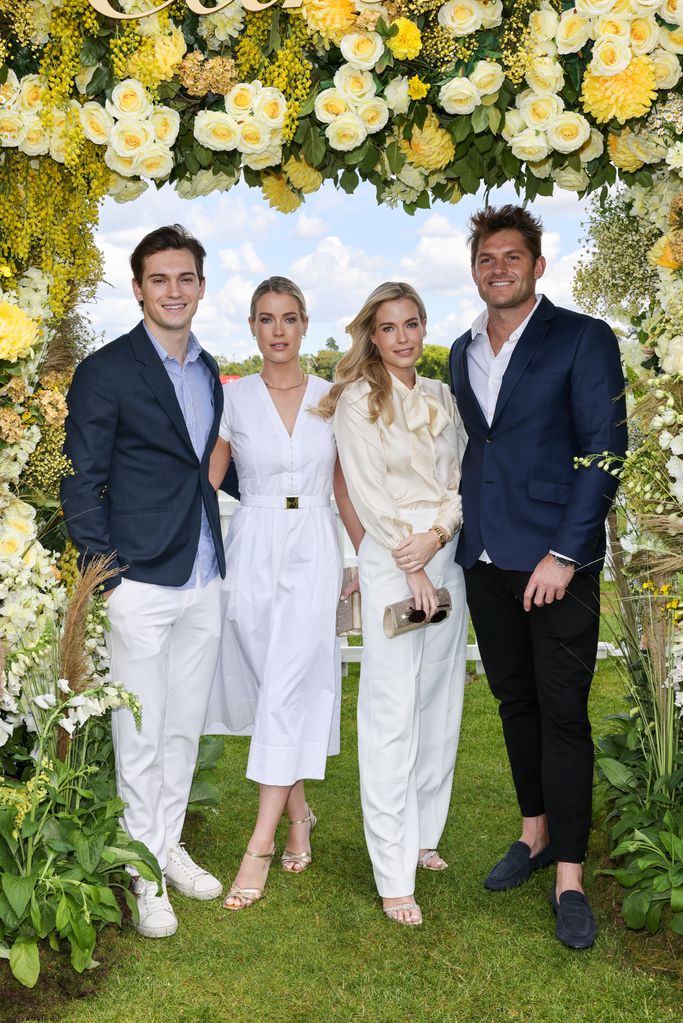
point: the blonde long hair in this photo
(363, 360)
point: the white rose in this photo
(269, 157)
(571, 180)
(487, 77)
(644, 35)
(123, 165)
(543, 24)
(459, 96)
(254, 136)
(615, 25)
(330, 104)
(125, 189)
(216, 130)
(545, 75)
(568, 132)
(129, 99)
(354, 84)
(594, 8)
(461, 18)
(610, 56)
(204, 182)
(573, 32)
(346, 132)
(9, 91)
(36, 141)
(671, 41)
(240, 100)
(514, 123)
(12, 128)
(166, 124)
(397, 96)
(646, 6)
(58, 146)
(530, 145)
(672, 11)
(492, 14)
(538, 110)
(129, 137)
(667, 68)
(96, 122)
(362, 49)
(31, 92)
(374, 113)
(156, 161)
(270, 106)
(594, 147)
(541, 168)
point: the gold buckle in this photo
(291, 502)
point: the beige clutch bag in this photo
(348, 610)
(402, 616)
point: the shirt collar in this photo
(194, 349)
(480, 325)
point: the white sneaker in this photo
(157, 919)
(189, 878)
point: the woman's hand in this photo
(416, 550)
(423, 591)
(353, 586)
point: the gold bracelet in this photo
(441, 534)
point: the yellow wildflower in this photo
(278, 193)
(648, 585)
(625, 95)
(430, 147)
(17, 333)
(417, 89)
(302, 175)
(407, 42)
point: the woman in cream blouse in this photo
(399, 439)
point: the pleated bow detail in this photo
(425, 418)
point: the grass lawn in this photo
(318, 948)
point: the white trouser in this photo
(163, 646)
(409, 710)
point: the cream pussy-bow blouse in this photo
(412, 464)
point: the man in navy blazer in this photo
(143, 418)
(536, 387)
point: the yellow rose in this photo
(31, 92)
(362, 49)
(671, 39)
(330, 104)
(541, 168)
(610, 56)
(58, 146)
(12, 128)
(270, 106)
(530, 146)
(11, 545)
(129, 137)
(36, 141)
(216, 130)
(254, 136)
(461, 17)
(573, 32)
(491, 13)
(240, 100)
(644, 35)
(129, 99)
(374, 113)
(568, 132)
(538, 111)
(96, 122)
(155, 161)
(459, 96)
(667, 68)
(17, 333)
(514, 123)
(346, 132)
(353, 83)
(84, 77)
(645, 7)
(487, 77)
(545, 75)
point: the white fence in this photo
(352, 654)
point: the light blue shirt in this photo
(193, 386)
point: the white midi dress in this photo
(278, 677)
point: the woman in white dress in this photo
(278, 676)
(400, 438)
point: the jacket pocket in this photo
(546, 490)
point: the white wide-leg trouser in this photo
(163, 646)
(409, 711)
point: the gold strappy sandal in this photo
(292, 860)
(248, 896)
(392, 913)
(426, 859)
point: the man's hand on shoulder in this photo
(548, 582)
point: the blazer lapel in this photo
(217, 400)
(153, 372)
(533, 335)
(468, 406)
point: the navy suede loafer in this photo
(576, 925)
(516, 867)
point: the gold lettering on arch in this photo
(104, 7)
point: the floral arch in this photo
(426, 100)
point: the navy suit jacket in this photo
(138, 486)
(561, 396)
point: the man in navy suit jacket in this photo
(537, 386)
(143, 419)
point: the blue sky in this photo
(336, 247)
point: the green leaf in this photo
(101, 82)
(617, 774)
(88, 849)
(274, 40)
(423, 202)
(204, 791)
(395, 157)
(420, 115)
(357, 155)
(18, 891)
(677, 899)
(24, 961)
(480, 119)
(635, 908)
(349, 181)
(203, 156)
(460, 127)
(495, 119)
(63, 914)
(676, 923)
(91, 51)
(314, 148)
(654, 916)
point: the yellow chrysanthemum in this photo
(331, 19)
(407, 42)
(302, 175)
(278, 193)
(621, 154)
(17, 333)
(417, 89)
(430, 147)
(626, 95)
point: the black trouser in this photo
(539, 665)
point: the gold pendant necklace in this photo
(292, 387)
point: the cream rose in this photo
(270, 106)
(671, 40)
(672, 11)
(492, 13)
(123, 165)
(461, 17)
(9, 91)
(545, 75)
(571, 180)
(204, 182)
(12, 128)
(593, 147)
(530, 145)
(216, 130)
(346, 132)
(362, 50)
(270, 157)
(36, 141)
(568, 132)
(397, 96)
(667, 68)
(129, 99)
(330, 104)
(543, 24)
(374, 113)
(240, 100)
(487, 77)
(31, 92)
(58, 146)
(254, 136)
(594, 8)
(610, 56)
(459, 96)
(354, 84)
(155, 161)
(615, 25)
(96, 122)
(538, 111)
(541, 168)
(646, 6)
(514, 123)
(124, 189)
(573, 32)
(166, 124)
(644, 35)
(129, 137)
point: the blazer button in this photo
(489, 439)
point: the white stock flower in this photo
(166, 124)
(226, 24)
(63, 685)
(610, 56)
(459, 96)
(461, 17)
(216, 130)
(397, 96)
(374, 113)
(130, 137)
(568, 132)
(672, 361)
(96, 122)
(45, 700)
(354, 84)
(362, 49)
(487, 77)
(530, 145)
(346, 132)
(129, 99)
(674, 157)
(330, 104)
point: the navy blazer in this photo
(138, 486)
(561, 396)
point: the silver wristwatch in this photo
(562, 562)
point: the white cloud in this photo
(245, 258)
(309, 227)
(336, 278)
(440, 261)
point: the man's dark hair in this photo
(492, 219)
(173, 236)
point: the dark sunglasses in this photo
(416, 616)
